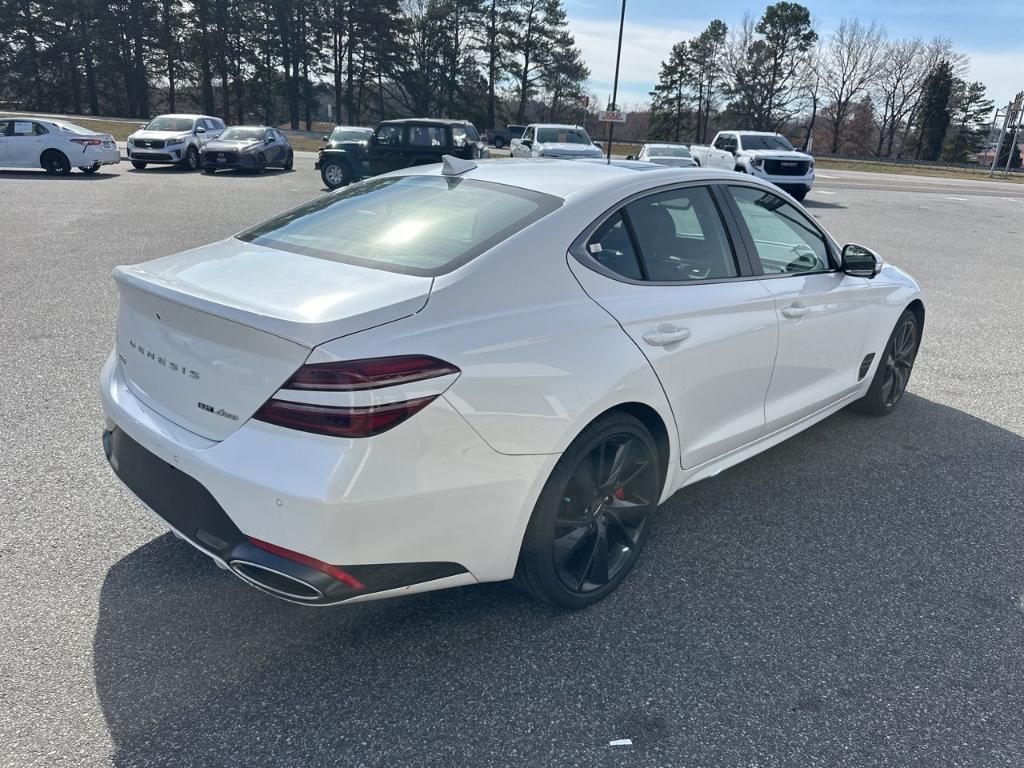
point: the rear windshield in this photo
(657, 151)
(181, 124)
(75, 128)
(417, 225)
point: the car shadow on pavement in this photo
(75, 175)
(850, 597)
(809, 203)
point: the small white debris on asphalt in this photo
(620, 743)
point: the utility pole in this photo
(615, 83)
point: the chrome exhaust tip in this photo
(275, 581)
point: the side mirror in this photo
(859, 261)
(199, 130)
(631, 157)
(324, 139)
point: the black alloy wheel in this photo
(56, 163)
(192, 159)
(594, 515)
(893, 373)
(899, 360)
(289, 163)
(261, 163)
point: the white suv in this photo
(551, 140)
(173, 139)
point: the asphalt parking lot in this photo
(853, 597)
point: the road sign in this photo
(612, 116)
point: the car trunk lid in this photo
(207, 336)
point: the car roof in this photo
(755, 133)
(563, 178)
(425, 121)
(667, 144)
(250, 127)
(554, 125)
(182, 114)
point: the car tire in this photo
(261, 164)
(209, 170)
(894, 369)
(799, 194)
(88, 170)
(139, 166)
(55, 162)
(334, 174)
(191, 161)
(289, 162)
(593, 516)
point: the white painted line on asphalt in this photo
(823, 192)
(1014, 199)
(958, 199)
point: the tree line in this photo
(276, 61)
(853, 92)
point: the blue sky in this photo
(990, 32)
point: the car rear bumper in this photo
(96, 156)
(427, 503)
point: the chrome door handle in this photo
(795, 311)
(666, 335)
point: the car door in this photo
(722, 152)
(26, 140)
(272, 147)
(386, 148)
(522, 148)
(5, 126)
(822, 312)
(667, 267)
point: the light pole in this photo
(615, 83)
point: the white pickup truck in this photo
(768, 156)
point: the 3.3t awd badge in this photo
(218, 411)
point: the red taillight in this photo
(87, 142)
(337, 421)
(312, 562)
(352, 375)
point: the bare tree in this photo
(848, 67)
(897, 89)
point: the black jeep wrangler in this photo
(399, 144)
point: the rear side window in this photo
(681, 236)
(612, 248)
(471, 132)
(426, 136)
(418, 225)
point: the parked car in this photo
(173, 139)
(502, 137)
(677, 155)
(57, 146)
(248, 148)
(425, 392)
(768, 156)
(397, 144)
(568, 142)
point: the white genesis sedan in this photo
(465, 373)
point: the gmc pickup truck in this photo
(768, 156)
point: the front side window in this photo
(681, 236)
(726, 142)
(389, 135)
(419, 225)
(471, 132)
(562, 136)
(528, 135)
(612, 248)
(785, 240)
